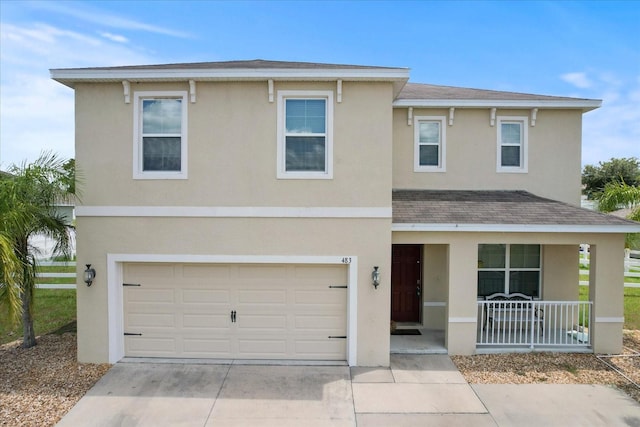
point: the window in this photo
(512, 144)
(305, 146)
(429, 144)
(509, 269)
(160, 135)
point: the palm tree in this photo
(10, 268)
(27, 207)
(619, 195)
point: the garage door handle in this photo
(233, 316)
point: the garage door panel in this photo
(202, 296)
(205, 321)
(321, 273)
(150, 346)
(150, 295)
(261, 272)
(150, 271)
(262, 297)
(250, 322)
(199, 347)
(334, 323)
(210, 273)
(282, 311)
(263, 348)
(335, 297)
(151, 320)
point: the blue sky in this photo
(585, 49)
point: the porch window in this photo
(509, 268)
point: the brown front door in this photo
(406, 284)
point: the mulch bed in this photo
(557, 368)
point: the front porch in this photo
(479, 242)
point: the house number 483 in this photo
(346, 260)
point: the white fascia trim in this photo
(585, 104)
(115, 294)
(609, 319)
(232, 212)
(516, 228)
(390, 74)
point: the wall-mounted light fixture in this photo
(89, 275)
(375, 277)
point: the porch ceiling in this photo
(440, 210)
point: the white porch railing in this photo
(534, 324)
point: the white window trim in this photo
(138, 173)
(281, 152)
(507, 269)
(417, 167)
(524, 149)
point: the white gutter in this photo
(517, 228)
(586, 104)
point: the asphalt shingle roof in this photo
(492, 207)
(426, 91)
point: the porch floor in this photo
(430, 341)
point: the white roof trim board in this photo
(516, 228)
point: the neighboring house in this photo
(239, 210)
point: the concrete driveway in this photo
(417, 390)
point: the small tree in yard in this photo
(619, 195)
(596, 178)
(27, 207)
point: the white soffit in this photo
(584, 104)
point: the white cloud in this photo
(579, 80)
(614, 129)
(104, 18)
(114, 37)
(37, 113)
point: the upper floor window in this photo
(429, 144)
(512, 144)
(160, 135)
(305, 146)
(509, 269)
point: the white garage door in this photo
(243, 311)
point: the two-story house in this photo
(286, 210)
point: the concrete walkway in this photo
(417, 390)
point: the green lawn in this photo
(53, 308)
(631, 305)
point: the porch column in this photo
(606, 290)
(462, 307)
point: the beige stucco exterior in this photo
(471, 146)
(239, 172)
(232, 148)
